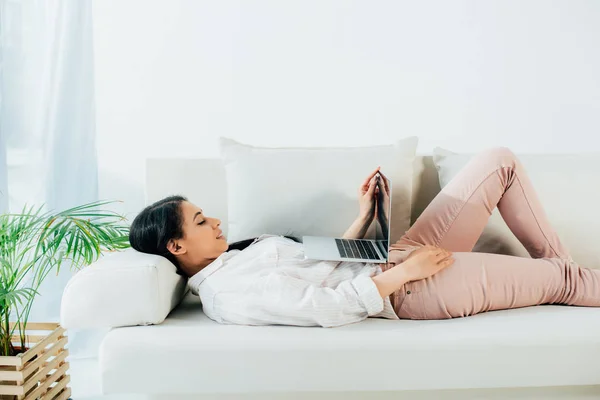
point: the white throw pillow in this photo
(122, 289)
(310, 191)
(567, 185)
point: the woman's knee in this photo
(501, 152)
(500, 155)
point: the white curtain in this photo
(47, 114)
(47, 127)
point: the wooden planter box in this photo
(41, 371)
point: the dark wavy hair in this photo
(158, 223)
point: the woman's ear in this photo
(174, 248)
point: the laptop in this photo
(359, 250)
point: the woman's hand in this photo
(426, 261)
(366, 198)
(382, 193)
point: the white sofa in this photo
(498, 354)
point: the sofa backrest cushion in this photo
(567, 187)
(310, 191)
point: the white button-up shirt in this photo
(270, 282)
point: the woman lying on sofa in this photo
(432, 272)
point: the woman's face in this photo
(202, 240)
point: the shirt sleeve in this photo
(284, 300)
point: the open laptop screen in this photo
(384, 213)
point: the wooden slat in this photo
(44, 386)
(28, 338)
(60, 385)
(28, 377)
(42, 326)
(38, 348)
(13, 361)
(27, 393)
(41, 374)
(52, 351)
(38, 326)
(11, 375)
(64, 395)
(14, 390)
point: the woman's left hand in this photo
(366, 196)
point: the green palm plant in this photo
(34, 243)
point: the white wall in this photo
(172, 76)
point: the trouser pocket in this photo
(412, 305)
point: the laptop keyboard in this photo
(356, 248)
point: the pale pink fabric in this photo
(479, 282)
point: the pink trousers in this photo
(479, 282)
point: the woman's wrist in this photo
(391, 280)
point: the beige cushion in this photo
(567, 185)
(310, 191)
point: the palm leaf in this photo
(34, 242)
(17, 296)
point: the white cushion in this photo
(567, 185)
(189, 353)
(310, 191)
(121, 289)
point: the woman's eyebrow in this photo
(195, 215)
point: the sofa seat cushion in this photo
(189, 353)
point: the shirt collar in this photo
(196, 280)
(199, 277)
